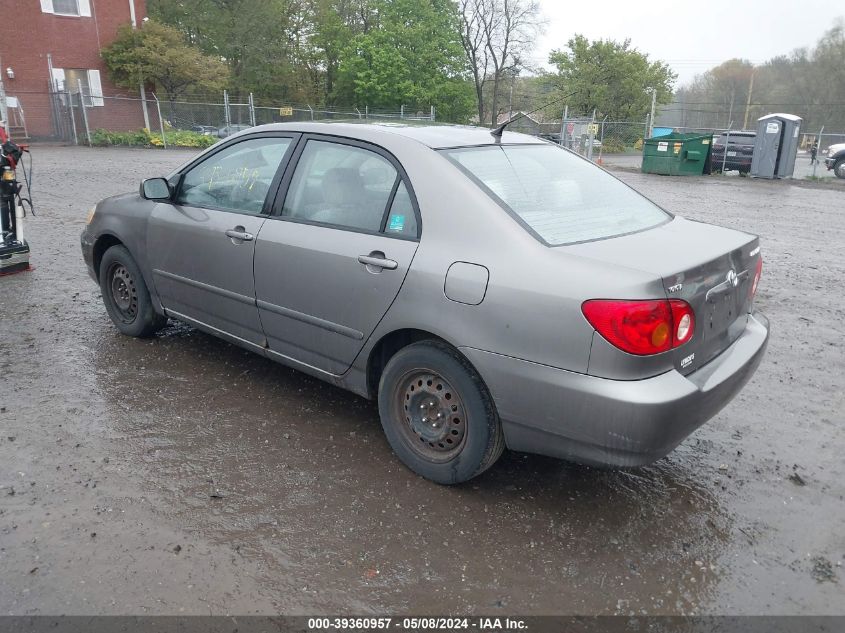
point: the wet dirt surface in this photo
(182, 475)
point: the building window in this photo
(73, 78)
(66, 7)
(67, 81)
(80, 8)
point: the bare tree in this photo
(473, 14)
(497, 36)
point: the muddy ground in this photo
(182, 475)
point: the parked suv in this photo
(740, 150)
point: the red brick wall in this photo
(27, 36)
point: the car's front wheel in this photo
(437, 413)
(126, 296)
(839, 168)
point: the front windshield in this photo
(560, 197)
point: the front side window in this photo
(237, 178)
(560, 197)
(341, 185)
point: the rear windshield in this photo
(738, 139)
(560, 197)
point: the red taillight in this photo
(642, 327)
(756, 281)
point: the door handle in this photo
(378, 260)
(238, 233)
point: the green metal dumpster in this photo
(677, 154)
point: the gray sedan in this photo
(489, 292)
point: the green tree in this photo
(335, 24)
(157, 54)
(611, 77)
(411, 56)
(264, 44)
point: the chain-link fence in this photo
(239, 113)
(75, 114)
(78, 115)
(824, 140)
(592, 137)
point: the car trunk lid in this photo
(710, 267)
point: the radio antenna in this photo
(497, 131)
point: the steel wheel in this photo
(434, 414)
(124, 292)
(839, 169)
(437, 413)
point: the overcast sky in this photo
(692, 36)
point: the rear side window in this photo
(402, 220)
(560, 197)
(340, 185)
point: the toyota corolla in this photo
(489, 291)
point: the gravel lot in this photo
(182, 475)
(803, 168)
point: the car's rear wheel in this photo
(839, 168)
(437, 413)
(126, 296)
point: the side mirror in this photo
(155, 189)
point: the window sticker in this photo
(397, 223)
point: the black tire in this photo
(420, 383)
(126, 296)
(839, 168)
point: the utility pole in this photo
(510, 98)
(510, 103)
(651, 116)
(748, 101)
(143, 90)
(4, 111)
(731, 110)
(563, 125)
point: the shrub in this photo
(613, 146)
(145, 138)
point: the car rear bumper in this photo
(614, 422)
(731, 162)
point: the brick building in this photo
(48, 48)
